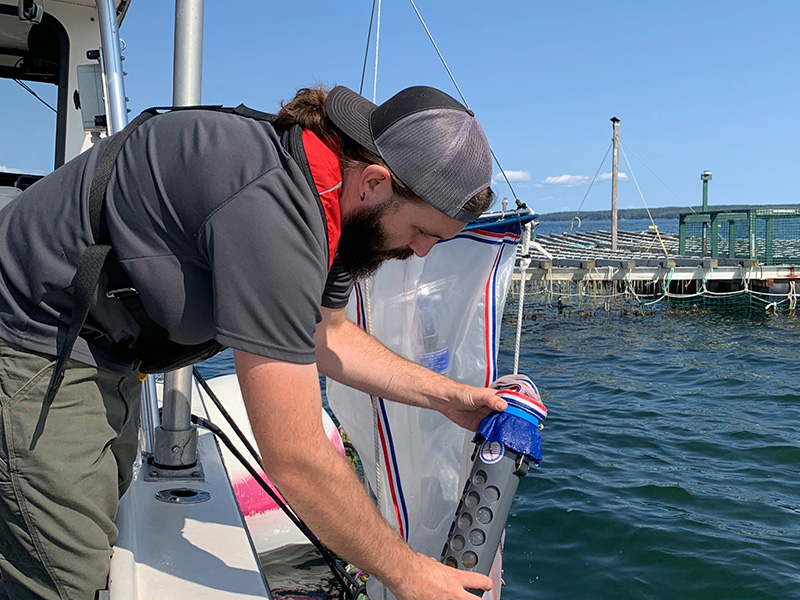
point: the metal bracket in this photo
(30, 12)
(153, 473)
(521, 465)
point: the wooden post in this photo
(614, 184)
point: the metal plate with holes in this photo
(194, 475)
(183, 496)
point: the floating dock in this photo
(642, 256)
(648, 267)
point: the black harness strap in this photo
(153, 350)
(252, 113)
(84, 284)
(93, 258)
(104, 169)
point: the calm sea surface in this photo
(664, 226)
(671, 458)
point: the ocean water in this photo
(635, 225)
(671, 460)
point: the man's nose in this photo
(422, 244)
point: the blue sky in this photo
(697, 85)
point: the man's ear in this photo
(375, 184)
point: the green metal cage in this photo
(769, 235)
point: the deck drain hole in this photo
(183, 496)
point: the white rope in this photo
(659, 178)
(706, 275)
(641, 195)
(724, 294)
(683, 296)
(524, 263)
(541, 249)
(656, 301)
(786, 296)
(377, 46)
(368, 308)
(629, 288)
(376, 438)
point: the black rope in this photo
(239, 433)
(351, 588)
(520, 203)
(35, 95)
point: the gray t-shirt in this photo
(214, 223)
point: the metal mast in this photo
(705, 177)
(187, 66)
(112, 64)
(176, 438)
(614, 184)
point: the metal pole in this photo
(705, 177)
(377, 48)
(176, 439)
(177, 402)
(614, 184)
(187, 66)
(149, 409)
(112, 62)
(187, 76)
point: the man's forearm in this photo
(284, 405)
(322, 488)
(351, 356)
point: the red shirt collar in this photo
(326, 170)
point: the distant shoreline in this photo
(665, 212)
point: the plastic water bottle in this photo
(434, 353)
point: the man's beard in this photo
(362, 246)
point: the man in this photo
(244, 233)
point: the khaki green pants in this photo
(58, 500)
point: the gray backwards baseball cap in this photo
(429, 140)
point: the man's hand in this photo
(427, 579)
(351, 356)
(468, 405)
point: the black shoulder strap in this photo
(96, 256)
(91, 262)
(104, 169)
(251, 113)
(120, 285)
